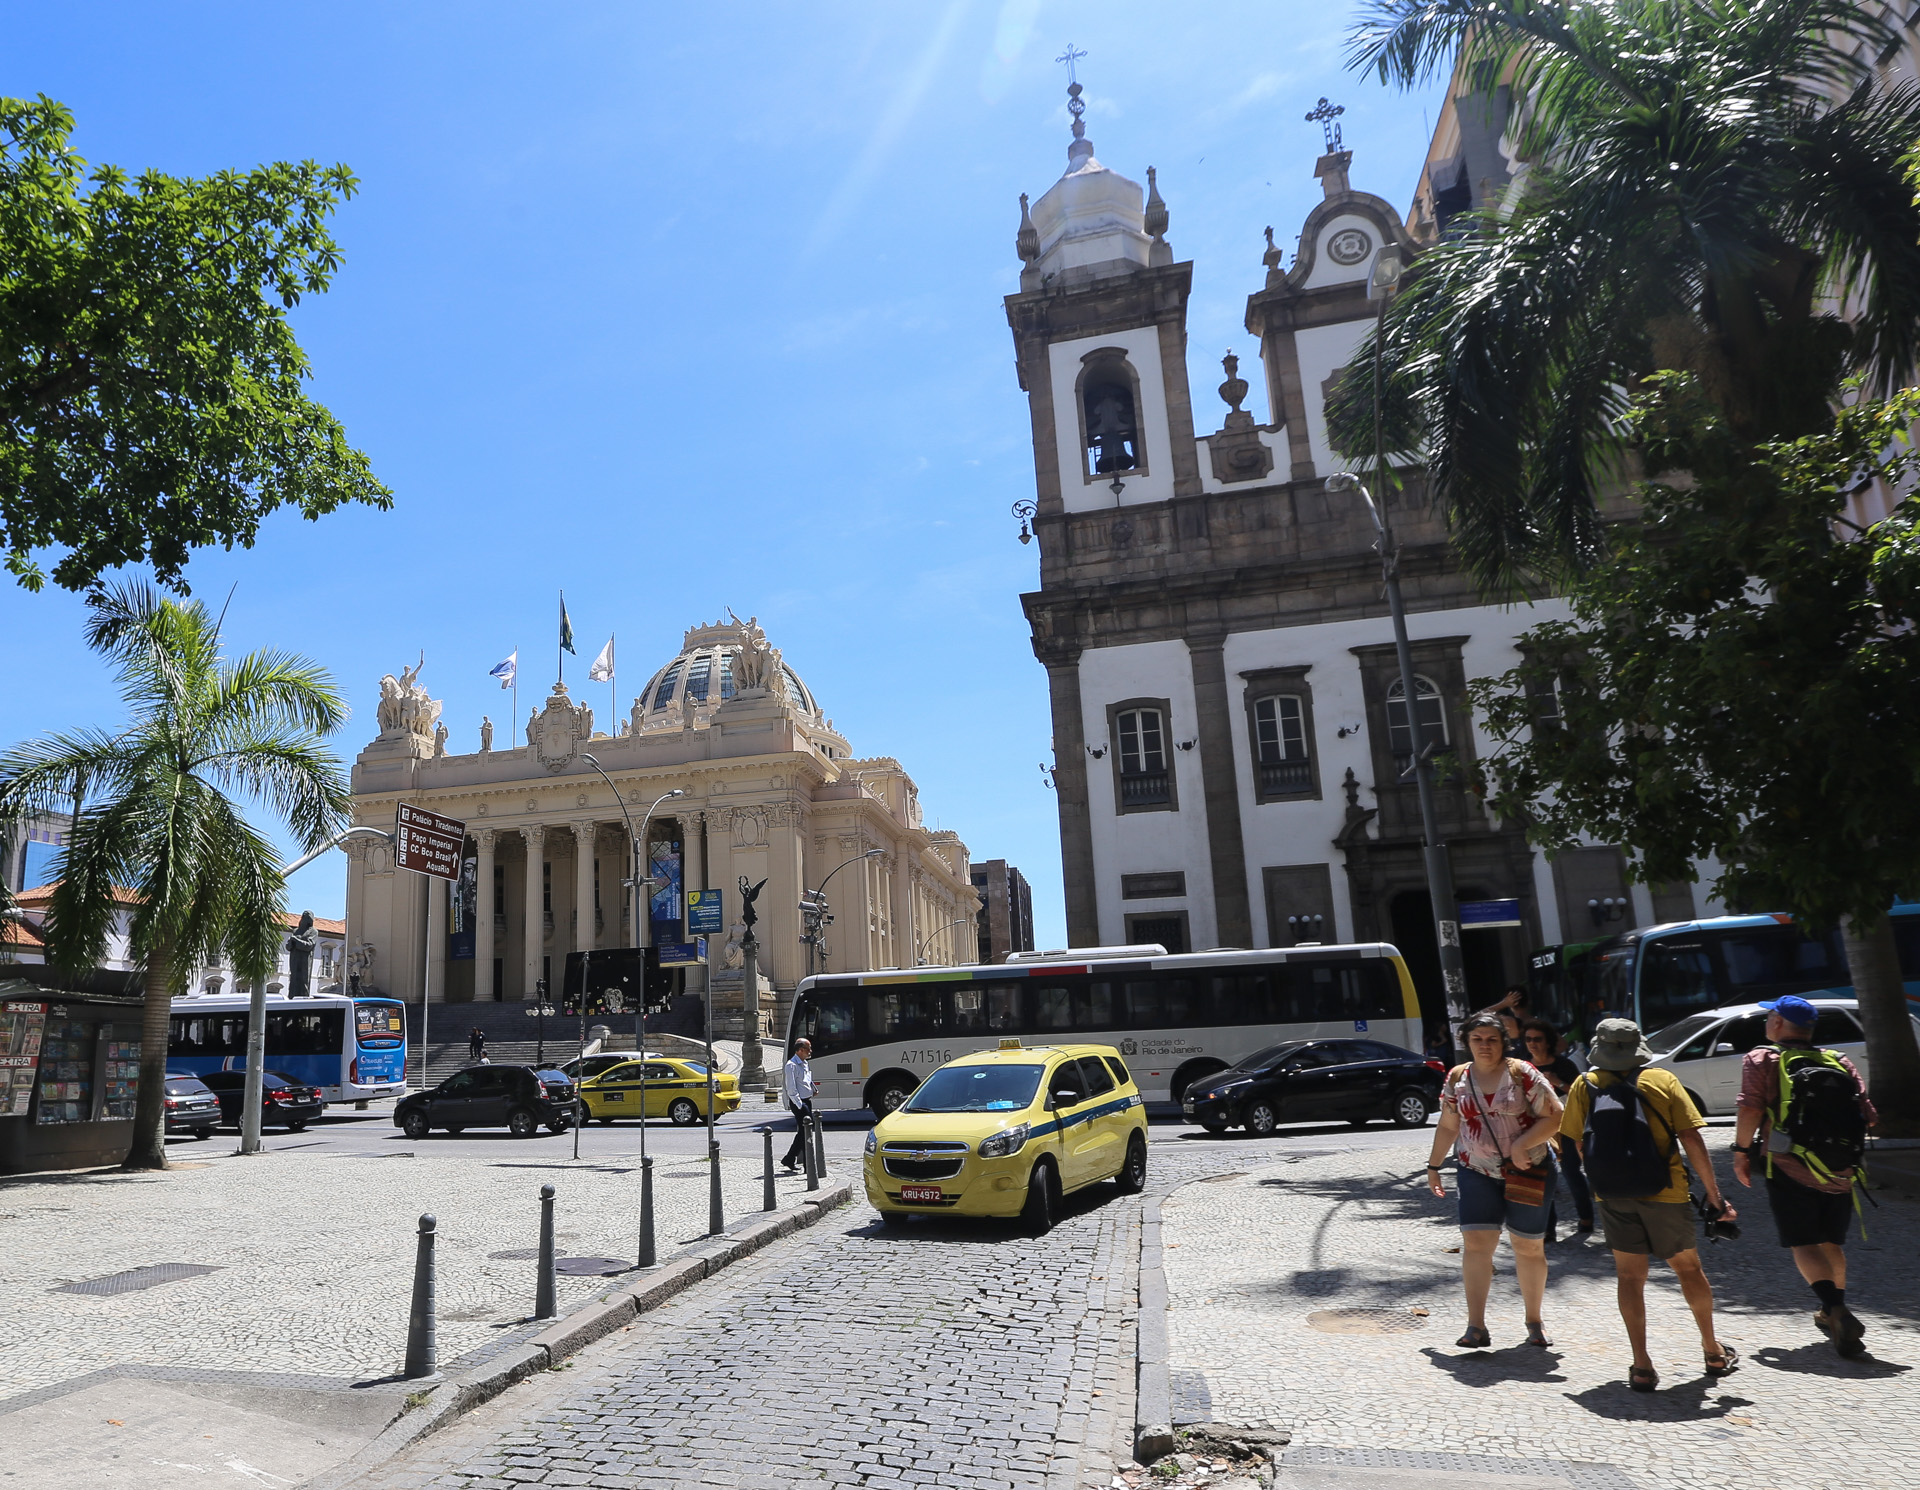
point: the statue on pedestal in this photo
(300, 957)
(486, 734)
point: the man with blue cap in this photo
(1807, 1111)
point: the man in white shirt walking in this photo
(800, 1087)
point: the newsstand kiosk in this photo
(69, 1075)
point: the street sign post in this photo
(1481, 915)
(705, 912)
(684, 954)
(428, 843)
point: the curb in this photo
(1153, 1388)
(457, 1395)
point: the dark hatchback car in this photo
(1303, 1081)
(284, 1102)
(517, 1098)
(191, 1105)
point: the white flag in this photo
(602, 669)
(505, 671)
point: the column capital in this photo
(483, 838)
(534, 833)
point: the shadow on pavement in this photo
(978, 1230)
(1489, 1368)
(1681, 1402)
(1819, 1359)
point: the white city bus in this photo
(876, 1036)
(353, 1049)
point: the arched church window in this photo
(1109, 411)
(663, 695)
(697, 676)
(1433, 719)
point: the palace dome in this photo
(702, 676)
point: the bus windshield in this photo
(378, 1024)
(977, 1089)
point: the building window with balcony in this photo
(1280, 747)
(1433, 720)
(1143, 773)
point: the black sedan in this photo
(1303, 1081)
(284, 1102)
(191, 1107)
(518, 1098)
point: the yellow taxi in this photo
(675, 1089)
(1008, 1132)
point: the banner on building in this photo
(463, 899)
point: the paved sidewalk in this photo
(1320, 1296)
(308, 1259)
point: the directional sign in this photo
(1478, 915)
(684, 954)
(428, 843)
(705, 912)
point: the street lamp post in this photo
(920, 954)
(636, 884)
(1446, 923)
(813, 907)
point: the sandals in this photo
(1476, 1338)
(1537, 1335)
(1723, 1361)
(1643, 1378)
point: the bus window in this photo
(1906, 941)
(309, 1032)
(1609, 995)
(992, 1008)
(1242, 998)
(1676, 979)
(1773, 957)
(1052, 1007)
(1158, 1003)
(1093, 1006)
(378, 1026)
(911, 1011)
(829, 1018)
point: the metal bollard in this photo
(646, 1213)
(820, 1145)
(543, 1304)
(716, 1215)
(423, 1356)
(804, 1123)
(768, 1200)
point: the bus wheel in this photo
(1043, 1200)
(889, 1093)
(416, 1126)
(683, 1112)
(1188, 1074)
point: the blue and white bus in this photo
(1658, 975)
(352, 1049)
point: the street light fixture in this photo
(919, 956)
(636, 884)
(813, 908)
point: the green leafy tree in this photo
(161, 815)
(151, 397)
(1740, 685)
(1706, 182)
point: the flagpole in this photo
(559, 650)
(613, 692)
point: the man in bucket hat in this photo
(1632, 1125)
(1806, 1137)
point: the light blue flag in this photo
(508, 670)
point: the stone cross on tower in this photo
(1327, 115)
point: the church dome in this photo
(702, 677)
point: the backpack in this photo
(1622, 1157)
(1819, 1110)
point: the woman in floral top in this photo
(1500, 1116)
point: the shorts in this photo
(1648, 1228)
(1808, 1218)
(1484, 1206)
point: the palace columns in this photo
(536, 906)
(585, 837)
(484, 911)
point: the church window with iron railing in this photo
(1144, 779)
(1433, 719)
(1281, 753)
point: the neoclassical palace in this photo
(772, 793)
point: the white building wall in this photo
(1146, 842)
(1077, 493)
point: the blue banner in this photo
(1483, 914)
(706, 913)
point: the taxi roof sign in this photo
(1010, 1042)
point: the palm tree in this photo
(1712, 186)
(159, 819)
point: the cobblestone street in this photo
(1320, 1296)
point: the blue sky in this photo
(680, 308)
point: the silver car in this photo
(1705, 1050)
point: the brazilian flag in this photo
(566, 627)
